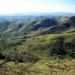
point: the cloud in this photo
(19, 6)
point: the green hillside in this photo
(37, 46)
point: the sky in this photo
(9, 7)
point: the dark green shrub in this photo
(27, 57)
(14, 55)
(61, 48)
(57, 47)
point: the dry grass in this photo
(64, 67)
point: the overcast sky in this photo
(21, 6)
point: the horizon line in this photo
(33, 13)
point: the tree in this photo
(72, 20)
(57, 47)
(3, 44)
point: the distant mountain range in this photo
(42, 14)
(39, 22)
(49, 14)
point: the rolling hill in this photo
(18, 31)
(39, 45)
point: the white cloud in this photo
(19, 6)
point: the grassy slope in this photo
(41, 43)
(39, 46)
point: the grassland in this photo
(47, 65)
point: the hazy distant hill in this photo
(36, 23)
